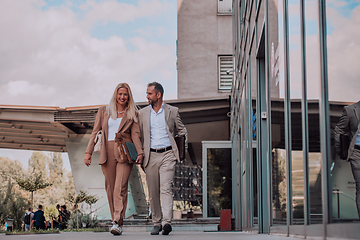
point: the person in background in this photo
(349, 124)
(38, 220)
(120, 116)
(28, 219)
(56, 221)
(64, 217)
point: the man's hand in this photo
(139, 159)
(87, 159)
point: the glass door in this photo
(217, 180)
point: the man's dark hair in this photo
(157, 87)
(64, 207)
(30, 209)
(40, 206)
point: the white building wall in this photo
(203, 34)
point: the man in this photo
(159, 124)
(27, 219)
(56, 220)
(38, 219)
(64, 217)
(349, 124)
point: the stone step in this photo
(145, 225)
(188, 227)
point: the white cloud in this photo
(121, 12)
(149, 32)
(343, 56)
(343, 48)
(49, 58)
(24, 88)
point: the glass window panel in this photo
(295, 83)
(343, 49)
(277, 113)
(219, 180)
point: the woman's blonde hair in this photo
(131, 108)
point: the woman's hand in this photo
(87, 159)
(139, 159)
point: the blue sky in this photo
(53, 48)
(73, 53)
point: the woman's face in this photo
(122, 96)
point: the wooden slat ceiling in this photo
(41, 135)
(19, 133)
(32, 135)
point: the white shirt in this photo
(113, 127)
(357, 142)
(159, 137)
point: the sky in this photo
(74, 53)
(343, 49)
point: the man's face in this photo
(152, 96)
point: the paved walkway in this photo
(175, 235)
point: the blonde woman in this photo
(120, 116)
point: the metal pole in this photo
(324, 119)
(287, 115)
(304, 114)
(268, 213)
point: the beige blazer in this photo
(348, 124)
(174, 127)
(126, 126)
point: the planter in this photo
(225, 220)
(177, 214)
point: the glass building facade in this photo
(296, 65)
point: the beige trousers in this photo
(159, 177)
(116, 183)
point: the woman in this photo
(120, 116)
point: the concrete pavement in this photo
(175, 235)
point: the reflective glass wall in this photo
(295, 71)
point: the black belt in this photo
(161, 150)
(357, 147)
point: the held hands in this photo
(87, 159)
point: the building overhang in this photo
(46, 128)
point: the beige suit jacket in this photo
(349, 125)
(126, 126)
(174, 127)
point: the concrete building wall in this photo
(203, 34)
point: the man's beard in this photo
(152, 102)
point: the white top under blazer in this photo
(113, 127)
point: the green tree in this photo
(42, 169)
(13, 202)
(83, 196)
(57, 178)
(32, 183)
(91, 199)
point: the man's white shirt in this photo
(159, 137)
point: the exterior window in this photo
(225, 64)
(225, 6)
